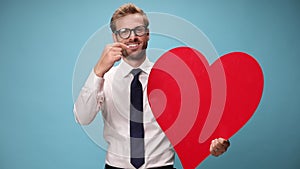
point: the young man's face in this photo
(136, 44)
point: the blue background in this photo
(39, 45)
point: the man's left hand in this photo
(218, 146)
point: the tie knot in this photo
(136, 71)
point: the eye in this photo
(124, 31)
(140, 30)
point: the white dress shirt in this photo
(111, 95)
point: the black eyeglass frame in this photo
(118, 32)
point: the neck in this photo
(135, 62)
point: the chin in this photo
(137, 55)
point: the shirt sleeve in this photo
(90, 100)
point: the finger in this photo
(219, 145)
(211, 148)
(117, 55)
(221, 150)
(218, 151)
(213, 145)
(120, 45)
(215, 142)
(225, 143)
(221, 140)
(214, 150)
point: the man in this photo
(134, 138)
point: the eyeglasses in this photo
(125, 33)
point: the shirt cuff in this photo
(98, 82)
(94, 83)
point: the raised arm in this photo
(91, 97)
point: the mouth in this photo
(132, 45)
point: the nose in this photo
(132, 35)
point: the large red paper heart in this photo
(195, 102)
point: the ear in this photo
(148, 35)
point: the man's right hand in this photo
(111, 54)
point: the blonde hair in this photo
(125, 10)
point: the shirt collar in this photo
(126, 68)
